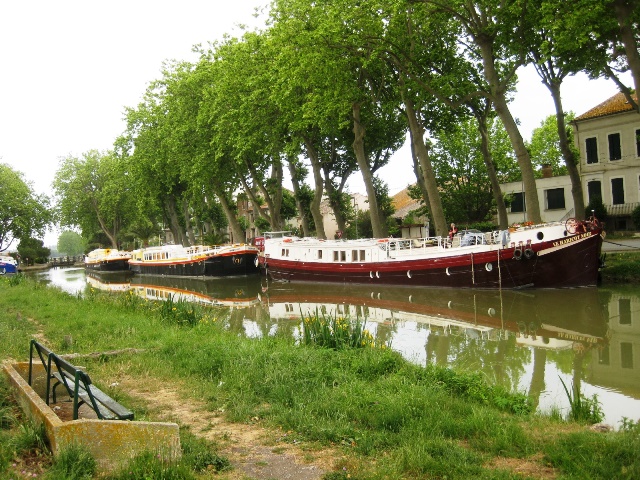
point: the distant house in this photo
(554, 195)
(608, 137)
(405, 206)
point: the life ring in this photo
(517, 254)
(529, 254)
(287, 240)
(383, 240)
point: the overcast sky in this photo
(70, 67)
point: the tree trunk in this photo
(624, 10)
(296, 194)
(481, 117)
(377, 221)
(187, 222)
(174, 222)
(332, 195)
(498, 96)
(318, 183)
(568, 154)
(418, 147)
(237, 234)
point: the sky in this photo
(69, 68)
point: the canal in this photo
(530, 341)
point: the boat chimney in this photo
(547, 171)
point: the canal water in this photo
(530, 340)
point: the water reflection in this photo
(524, 340)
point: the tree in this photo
(545, 145)
(23, 213)
(460, 169)
(32, 250)
(71, 243)
(94, 194)
(491, 33)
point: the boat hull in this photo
(570, 262)
(119, 265)
(243, 263)
(7, 268)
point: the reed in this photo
(581, 408)
(336, 332)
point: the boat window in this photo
(343, 255)
(354, 255)
(362, 257)
(285, 252)
(335, 255)
(319, 254)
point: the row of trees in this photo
(330, 89)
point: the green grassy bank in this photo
(621, 268)
(384, 417)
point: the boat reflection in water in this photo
(227, 292)
(553, 319)
(545, 318)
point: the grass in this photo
(621, 268)
(388, 418)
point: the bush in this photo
(635, 217)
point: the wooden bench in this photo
(77, 384)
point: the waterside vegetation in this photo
(379, 415)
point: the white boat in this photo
(107, 260)
(550, 255)
(196, 261)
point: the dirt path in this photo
(254, 452)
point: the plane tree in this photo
(247, 132)
(487, 33)
(347, 83)
(23, 212)
(94, 194)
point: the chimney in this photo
(547, 171)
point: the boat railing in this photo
(408, 245)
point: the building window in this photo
(626, 355)
(637, 143)
(603, 356)
(517, 204)
(591, 145)
(615, 153)
(624, 306)
(617, 191)
(555, 198)
(594, 189)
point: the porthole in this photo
(488, 267)
(377, 274)
(492, 311)
(447, 271)
(409, 273)
(370, 274)
(540, 235)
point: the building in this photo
(608, 137)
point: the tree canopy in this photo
(23, 213)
